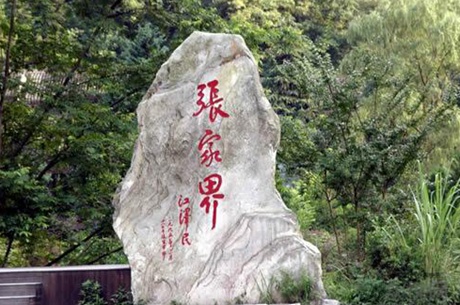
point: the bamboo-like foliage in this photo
(437, 212)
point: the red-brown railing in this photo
(60, 285)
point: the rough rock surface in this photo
(255, 237)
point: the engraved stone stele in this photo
(255, 237)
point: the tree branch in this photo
(420, 72)
(74, 247)
(6, 71)
(118, 14)
(33, 127)
(105, 255)
(332, 215)
(115, 4)
(55, 160)
(121, 99)
(56, 96)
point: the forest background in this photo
(367, 92)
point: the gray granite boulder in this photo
(198, 213)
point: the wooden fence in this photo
(58, 285)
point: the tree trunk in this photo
(333, 217)
(359, 234)
(8, 250)
(6, 70)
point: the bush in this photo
(295, 291)
(372, 291)
(299, 198)
(91, 294)
(391, 260)
(121, 297)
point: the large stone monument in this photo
(198, 213)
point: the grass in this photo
(296, 291)
(437, 213)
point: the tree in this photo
(67, 136)
(421, 40)
(360, 155)
(75, 74)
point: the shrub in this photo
(391, 260)
(372, 291)
(121, 297)
(295, 291)
(91, 294)
(298, 198)
(433, 235)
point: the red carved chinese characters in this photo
(205, 146)
(184, 218)
(185, 239)
(163, 240)
(170, 239)
(214, 103)
(210, 188)
(167, 242)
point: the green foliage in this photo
(359, 156)
(298, 198)
(372, 291)
(429, 29)
(72, 144)
(296, 148)
(91, 294)
(295, 291)
(267, 290)
(19, 184)
(67, 137)
(364, 88)
(122, 297)
(389, 258)
(287, 289)
(437, 220)
(372, 117)
(419, 252)
(268, 26)
(338, 285)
